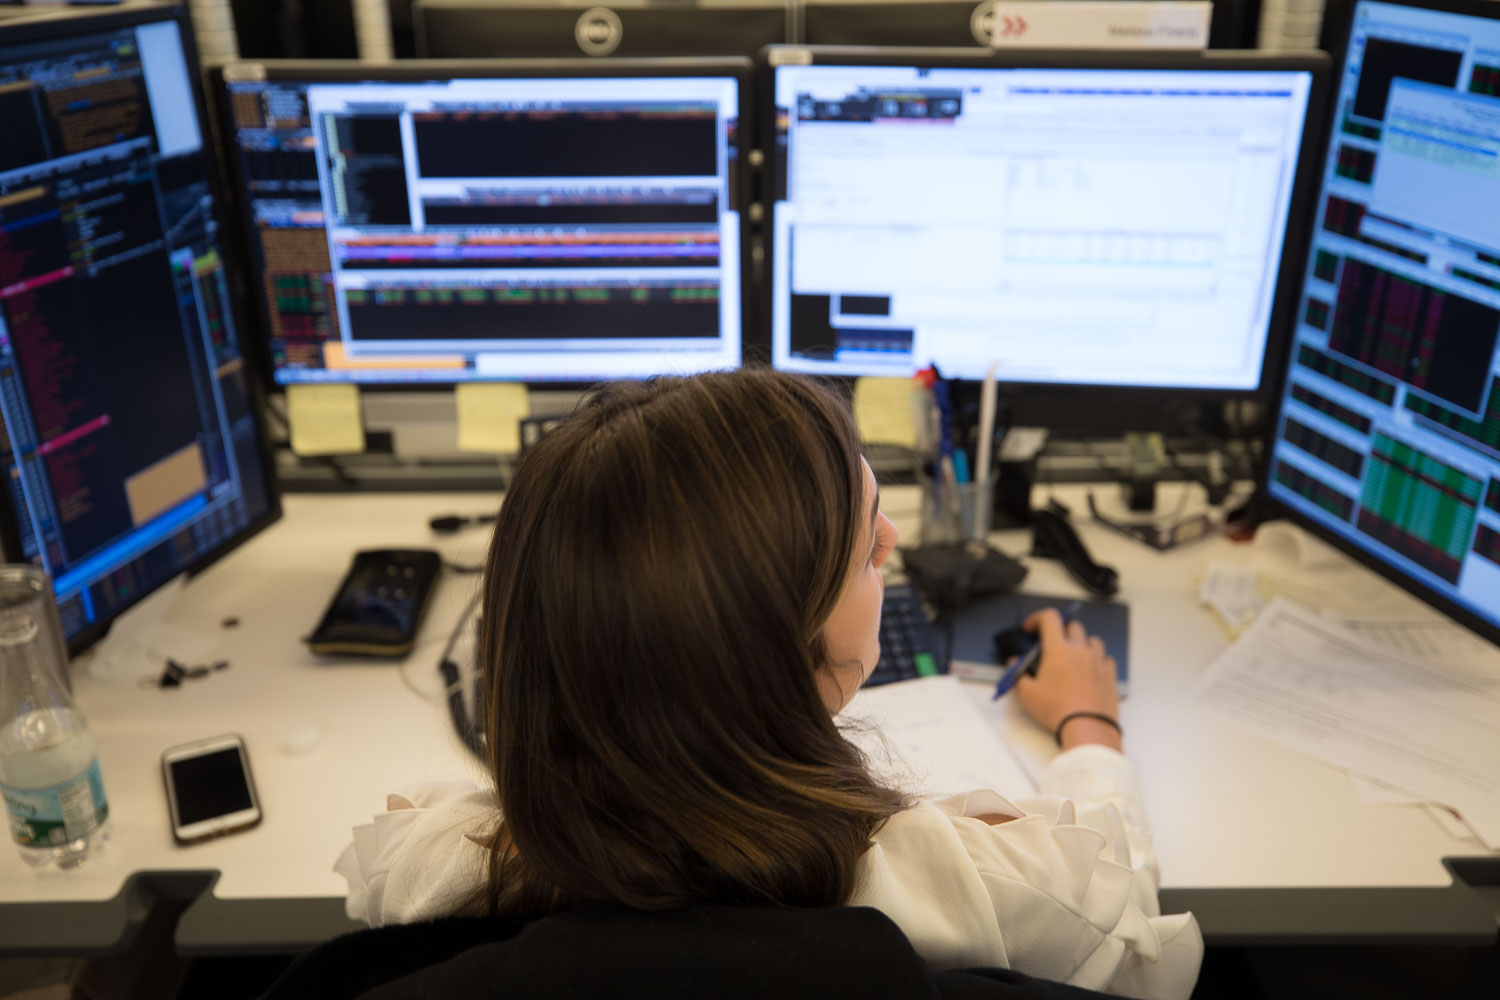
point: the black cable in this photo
(334, 466)
(1048, 480)
(1217, 492)
(1099, 460)
(470, 733)
(338, 470)
(447, 524)
(1054, 538)
(282, 422)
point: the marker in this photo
(982, 453)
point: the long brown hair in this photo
(661, 570)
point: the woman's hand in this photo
(1076, 674)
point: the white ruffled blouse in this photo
(1066, 890)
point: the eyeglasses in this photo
(1161, 536)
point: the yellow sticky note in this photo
(325, 419)
(490, 414)
(882, 411)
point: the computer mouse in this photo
(1013, 641)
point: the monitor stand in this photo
(1145, 460)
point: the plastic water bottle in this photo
(49, 770)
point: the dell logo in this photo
(599, 31)
(982, 23)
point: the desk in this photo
(1264, 844)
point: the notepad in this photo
(490, 414)
(325, 419)
(926, 737)
(882, 411)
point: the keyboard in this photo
(909, 644)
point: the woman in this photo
(683, 590)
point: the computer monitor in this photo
(1123, 223)
(1387, 437)
(427, 223)
(483, 29)
(944, 23)
(130, 446)
(931, 23)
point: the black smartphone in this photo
(209, 788)
(379, 605)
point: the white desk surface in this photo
(1230, 811)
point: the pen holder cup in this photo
(955, 513)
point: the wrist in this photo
(1079, 730)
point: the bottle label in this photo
(59, 814)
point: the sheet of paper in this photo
(882, 411)
(926, 737)
(1449, 821)
(1233, 591)
(1306, 682)
(1021, 444)
(1430, 641)
(490, 414)
(1378, 793)
(325, 419)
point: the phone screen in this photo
(211, 785)
(380, 594)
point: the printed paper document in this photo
(935, 741)
(1315, 685)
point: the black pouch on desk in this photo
(951, 576)
(379, 605)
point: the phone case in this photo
(379, 605)
(172, 792)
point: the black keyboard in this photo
(909, 644)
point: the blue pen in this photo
(944, 402)
(1028, 662)
(960, 465)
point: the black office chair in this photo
(605, 950)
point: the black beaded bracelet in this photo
(1057, 733)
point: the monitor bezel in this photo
(1338, 24)
(1090, 402)
(409, 70)
(420, 8)
(87, 21)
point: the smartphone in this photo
(209, 788)
(379, 604)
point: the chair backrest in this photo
(600, 949)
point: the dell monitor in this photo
(483, 29)
(944, 23)
(1123, 224)
(424, 223)
(1387, 438)
(130, 447)
(930, 23)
